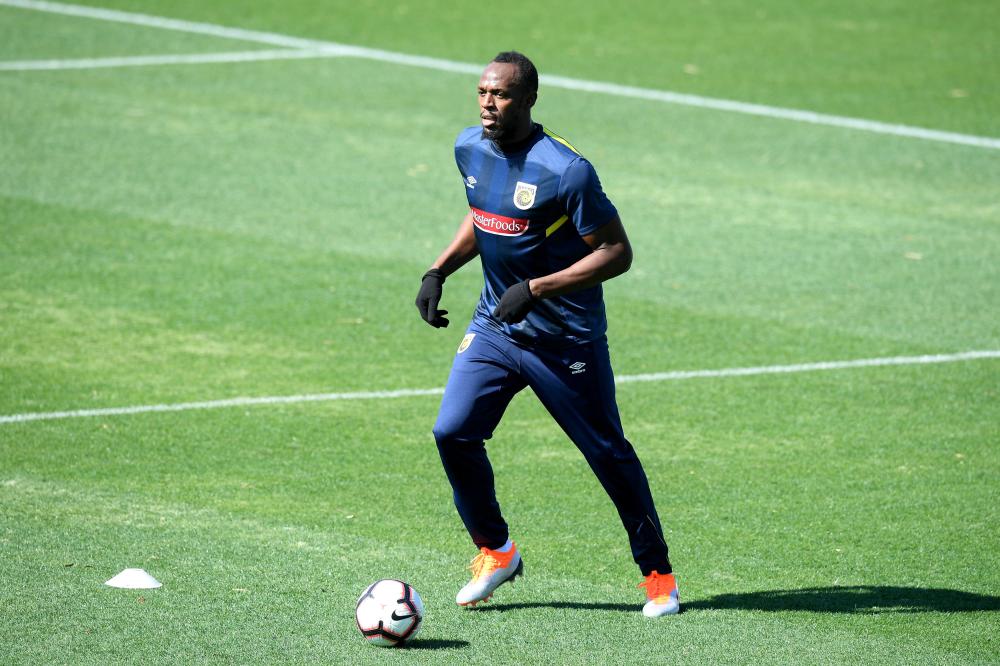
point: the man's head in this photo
(508, 89)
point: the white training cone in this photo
(134, 579)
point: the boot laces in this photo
(658, 586)
(483, 564)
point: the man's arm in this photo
(611, 256)
(461, 250)
(458, 253)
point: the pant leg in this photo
(577, 387)
(482, 382)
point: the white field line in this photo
(772, 112)
(810, 367)
(164, 23)
(408, 393)
(663, 96)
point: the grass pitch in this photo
(183, 233)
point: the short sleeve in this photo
(583, 199)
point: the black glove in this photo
(428, 298)
(515, 304)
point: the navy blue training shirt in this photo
(530, 208)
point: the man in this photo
(547, 236)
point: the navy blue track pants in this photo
(576, 386)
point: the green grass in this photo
(182, 233)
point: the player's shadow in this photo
(434, 644)
(853, 599)
(839, 599)
(558, 605)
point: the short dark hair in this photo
(527, 75)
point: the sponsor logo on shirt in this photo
(470, 182)
(498, 224)
(524, 195)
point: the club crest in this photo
(466, 341)
(524, 195)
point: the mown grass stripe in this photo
(668, 97)
(167, 59)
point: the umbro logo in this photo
(578, 367)
(470, 182)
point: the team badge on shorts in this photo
(466, 341)
(524, 195)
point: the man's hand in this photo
(515, 304)
(428, 298)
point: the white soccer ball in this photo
(389, 613)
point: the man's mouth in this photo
(488, 121)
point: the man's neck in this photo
(516, 143)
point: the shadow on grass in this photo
(558, 605)
(434, 644)
(849, 599)
(853, 599)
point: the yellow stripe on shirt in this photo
(555, 226)
(561, 140)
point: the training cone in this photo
(134, 579)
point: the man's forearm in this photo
(604, 263)
(460, 251)
(611, 256)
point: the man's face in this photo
(504, 107)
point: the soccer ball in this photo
(389, 613)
